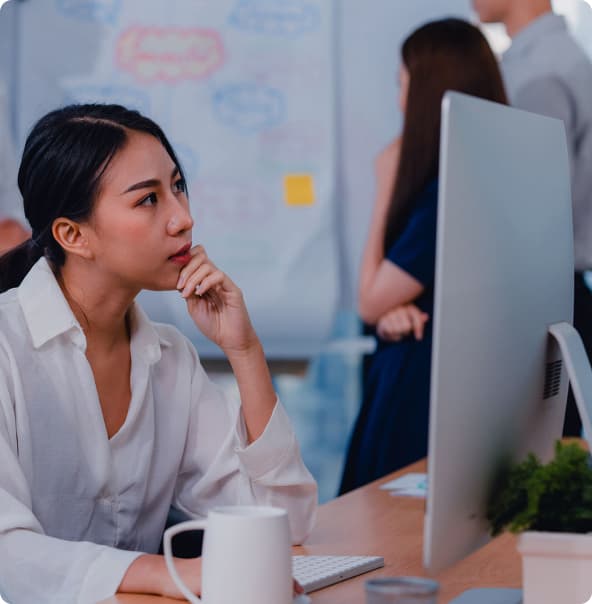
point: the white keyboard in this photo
(315, 572)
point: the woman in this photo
(397, 270)
(106, 419)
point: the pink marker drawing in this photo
(169, 54)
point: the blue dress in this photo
(391, 430)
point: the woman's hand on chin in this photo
(216, 304)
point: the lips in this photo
(182, 255)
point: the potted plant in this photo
(551, 506)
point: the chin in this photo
(161, 287)
(163, 284)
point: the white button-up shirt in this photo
(76, 508)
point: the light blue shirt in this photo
(546, 72)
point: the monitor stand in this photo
(578, 370)
(489, 596)
(580, 378)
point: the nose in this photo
(180, 219)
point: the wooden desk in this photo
(369, 521)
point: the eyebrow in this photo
(147, 184)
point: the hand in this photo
(401, 322)
(216, 304)
(12, 233)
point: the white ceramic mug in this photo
(246, 558)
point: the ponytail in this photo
(17, 262)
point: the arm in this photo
(218, 309)
(148, 574)
(382, 284)
(220, 466)
(246, 453)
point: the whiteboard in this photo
(319, 79)
(244, 91)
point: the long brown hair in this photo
(449, 54)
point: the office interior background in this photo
(277, 109)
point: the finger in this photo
(406, 322)
(389, 330)
(197, 259)
(298, 589)
(212, 299)
(418, 323)
(399, 324)
(215, 278)
(194, 280)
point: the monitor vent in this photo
(552, 379)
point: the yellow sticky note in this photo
(299, 190)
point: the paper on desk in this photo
(414, 484)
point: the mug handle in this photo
(189, 525)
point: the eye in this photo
(148, 200)
(180, 186)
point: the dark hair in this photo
(449, 54)
(65, 157)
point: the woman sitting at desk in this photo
(106, 418)
(397, 272)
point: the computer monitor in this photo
(504, 276)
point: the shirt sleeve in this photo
(220, 468)
(34, 566)
(414, 251)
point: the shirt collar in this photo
(48, 315)
(537, 30)
(146, 341)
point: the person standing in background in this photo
(545, 71)
(396, 284)
(12, 231)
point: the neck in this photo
(522, 13)
(99, 306)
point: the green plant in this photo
(544, 497)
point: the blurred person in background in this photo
(545, 71)
(12, 229)
(396, 284)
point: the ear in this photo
(72, 237)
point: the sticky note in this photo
(299, 190)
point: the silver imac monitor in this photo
(504, 279)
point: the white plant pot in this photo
(556, 567)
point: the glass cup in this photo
(401, 590)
